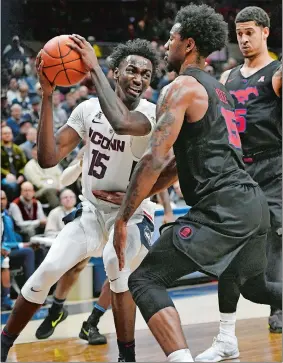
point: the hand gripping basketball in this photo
(46, 86)
(86, 51)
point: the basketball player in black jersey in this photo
(229, 219)
(256, 89)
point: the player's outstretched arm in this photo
(171, 109)
(277, 81)
(123, 121)
(51, 149)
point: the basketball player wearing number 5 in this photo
(256, 88)
(227, 225)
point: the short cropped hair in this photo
(205, 26)
(253, 13)
(140, 47)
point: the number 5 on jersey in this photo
(97, 168)
(231, 123)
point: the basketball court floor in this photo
(198, 310)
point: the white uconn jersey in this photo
(109, 159)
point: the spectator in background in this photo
(6, 302)
(209, 69)
(54, 220)
(5, 112)
(83, 94)
(20, 254)
(35, 110)
(166, 79)
(69, 104)
(18, 72)
(141, 30)
(14, 53)
(131, 34)
(14, 120)
(13, 91)
(231, 63)
(13, 162)
(59, 114)
(46, 181)
(87, 81)
(23, 99)
(38, 90)
(30, 142)
(25, 124)
(31, 78)
(27, 212)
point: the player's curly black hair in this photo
(253, 13)
(205, 26)
(137, 46)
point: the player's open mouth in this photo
(134, 91)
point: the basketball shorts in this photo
(86, 237)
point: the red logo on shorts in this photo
(185, 232)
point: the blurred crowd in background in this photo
(32, 197)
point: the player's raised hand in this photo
(119, 242)
(46, 86)
(82, 46)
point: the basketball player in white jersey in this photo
(117, 126)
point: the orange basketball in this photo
(62, 65)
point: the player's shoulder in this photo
(183, 84)
(225, 75)
(90, 104)
(229, 72)
(183, 87)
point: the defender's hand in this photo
(111, 197)
(119, 242)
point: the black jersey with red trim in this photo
(258, 109)
(208, 152)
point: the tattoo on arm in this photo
(170, 117)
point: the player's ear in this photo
(190, 45)
(116, 73)
(265, 33)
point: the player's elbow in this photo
(156, 161)
(121, 127)
(122, 124)
(120, 130)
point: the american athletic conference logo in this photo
(185, 232)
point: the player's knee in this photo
(148, 292)
(120, 283)
(38, 285)
(118, 279)
(138, 283)
(254, 290)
